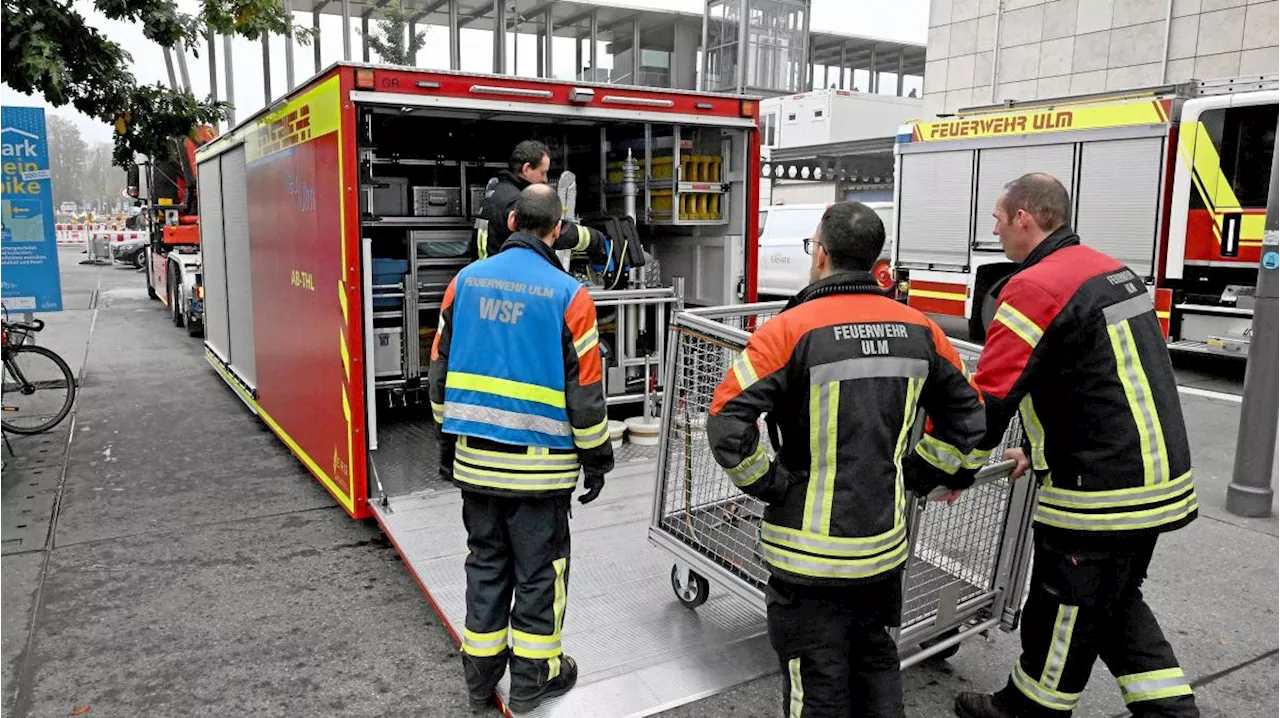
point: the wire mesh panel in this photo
(956, 549)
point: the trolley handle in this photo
(988, 474)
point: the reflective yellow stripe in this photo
(1113, 498)
(824, 404)
(482, 238)
(518, 462)
(561, 565)
(531, 645)
(1117, 521)
(511, 482)
(1154, 685)
(484, 644)
(592, 436)
(1052, 699)
(744, 371)
(1063, 627)
(437, 412)
(505, 387)
(751, 469)
(1221, 198)
(1019, 324)
(821, 567)
(1155, 458)
(930, 294)
(797, 688)
(587, 341)
(523, 476)
(914, 387)
(584, 239)
(553, 667)
(1035, 433)
(947, 458)
(833, 546)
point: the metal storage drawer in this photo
(388, 352)
(437, 202)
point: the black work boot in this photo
(523, 702)
(980, 705)
(483, 674)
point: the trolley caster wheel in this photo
(693, 595)
(945, 653)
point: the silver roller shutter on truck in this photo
(1000, 165)
(213, 259)
(235, 207)
(1118, 200)
(935, 208)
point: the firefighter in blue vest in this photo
(516, 383)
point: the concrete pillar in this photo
(213, 66)
(548, 32)
(635, 52)
(499, 37)
(364, 37)
(346, 30)
(315, 41)
(595, 45)
(288, 47)
(577, 58)
(901, 65)
(873, 81)
(266, 67)
(231, 82)
(844, 56)
(455, 37)
(740, 76)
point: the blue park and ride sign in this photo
(29, 280)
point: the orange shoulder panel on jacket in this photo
(445, 304)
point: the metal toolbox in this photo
(437, 202)
(387, 197)
(388, 352)
(968, 564)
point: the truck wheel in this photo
(175, 298)
(151, 290)
(140, 262)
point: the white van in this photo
(783, 266)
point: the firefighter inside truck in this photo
(424, 176)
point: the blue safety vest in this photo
(506, 375)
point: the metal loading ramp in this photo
(639, 651)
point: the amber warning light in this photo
(364, 80)
(747, 108)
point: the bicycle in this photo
(38, 386)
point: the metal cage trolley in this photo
(969, 561)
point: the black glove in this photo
(594, 485)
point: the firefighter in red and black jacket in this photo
(842, 373)
(1076, 348)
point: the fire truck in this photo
(1171, 180)
(332, 222)
(171, 219)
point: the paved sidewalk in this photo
(195, 569)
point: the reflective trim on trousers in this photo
(1114, 498)
(1049, 698)
(796, 706)
(531, 645)
(484, 644)
(834, 546)
(822, 567)
(1063, 627)
(751, 469)
(1117, 521)
(592, 436)
(1154, 685)
(437, 412)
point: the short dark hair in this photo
(537, 210)
(1040, 195)
(528, 152)
(853, 236)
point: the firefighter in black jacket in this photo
(1077, 349)
(530, 163)
(842, 372)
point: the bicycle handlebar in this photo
(35, 325)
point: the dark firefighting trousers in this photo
(1082, 607)
(838, 659)
(518, 549)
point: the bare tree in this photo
(389, 39)
(66, 159)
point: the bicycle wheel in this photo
(38, 390)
